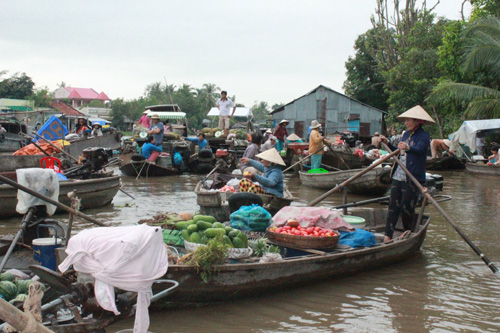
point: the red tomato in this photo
(287, 227)
(297, 232)
(328, 234)
(303, 233)
(317, 228)
(310, 229)
(316, 234)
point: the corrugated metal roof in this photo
(19, 108)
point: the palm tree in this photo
(482, 61)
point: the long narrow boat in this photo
(93, 193)
(340, 159)
(482, 169)
(251, 278)
(445, 163)
(374, 182)
(215, 203)
(145, 168)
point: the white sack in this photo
(130, 258)
(43, 181)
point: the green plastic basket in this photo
(320, 170)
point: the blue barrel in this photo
(44, 251)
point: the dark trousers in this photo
(403, 199)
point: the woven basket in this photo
(304, 242)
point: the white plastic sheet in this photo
(130, 258)
(43, 181)
(466, 134)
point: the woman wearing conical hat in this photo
(413, 146)
(271, 180)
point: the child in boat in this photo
(271, 180)
(494, 159)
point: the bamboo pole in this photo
(445, 215)
(49, 200)
(356, 176)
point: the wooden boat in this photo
(251, 278)
(11, 140)
(340, 159)
(445, 163)
(375, 182)
(145, 168)
(14, 162)
(215, 203)
(93, 193)
(482, 169)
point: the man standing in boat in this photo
(224, 105)
(156, 131)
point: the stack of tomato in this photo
(300, 231)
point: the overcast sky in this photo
(257, 50)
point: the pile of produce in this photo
(202, 228)
(167, 220)
(13, 289)
(293, 228)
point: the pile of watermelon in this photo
(14, 289)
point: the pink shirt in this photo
(145, 121)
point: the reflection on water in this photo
(445, 288)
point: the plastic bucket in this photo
(44, 251)
(355, 221)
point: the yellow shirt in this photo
(315, 143)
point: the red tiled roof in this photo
(65, 109)
(86, 93)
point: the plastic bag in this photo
(173, 237)
(235, 182)
(250, 218)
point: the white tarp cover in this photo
(239, 112)
(466, 134)
(43, 181)
(130, 258)
(169, 115)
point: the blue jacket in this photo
(419, 142)
(271, 179)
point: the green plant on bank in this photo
(206, 258)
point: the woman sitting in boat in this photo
(81, 127)
(96, 129)
(271, 180)
(413, 147)
(156, 131)
(494, 159)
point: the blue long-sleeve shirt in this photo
(271, 179)
(419, 142)
(202, 144)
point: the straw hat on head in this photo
(284, 121)
(147, 111)
(96, 123)
(269, 131)
(155, 116)
(293, 137)
(417, 112)
(272, 137)
(447, 143)
(315, 124)
(272, 156)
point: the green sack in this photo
(173, 237)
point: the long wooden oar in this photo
(338, 187)
(302, 159)
(445, 215)
(49, 200)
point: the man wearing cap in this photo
(316, 145)
(271, 181)
(280, 133)
(270, 143)
(439, 146)
(224, 105)
(413, 154)
(145, 121)
(156, 131)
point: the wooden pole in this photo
(445, 215)
(356, 176)
(302, 159)
(49, 200)
(18, 319)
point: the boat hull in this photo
(482, 169)
(375, 182)
(92, 192)
(340, 159)
(146, 169)
(445, 163)
(235, 281)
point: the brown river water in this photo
(445, 288)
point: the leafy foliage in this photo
(18, 86)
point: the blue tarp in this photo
(53, 129)
(358, 238)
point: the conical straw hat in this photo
(293, 137)
(417, 112)
(284, 121)
(447, 143)
(272, 156)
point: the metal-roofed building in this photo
(335, 111)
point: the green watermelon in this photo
(7, 277)
(21, 297)
(8, 290)
(22, 286)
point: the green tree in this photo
(41, 97)
(18, 86)
(260, 112)
(481, 60)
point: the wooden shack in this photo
(335, 111)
